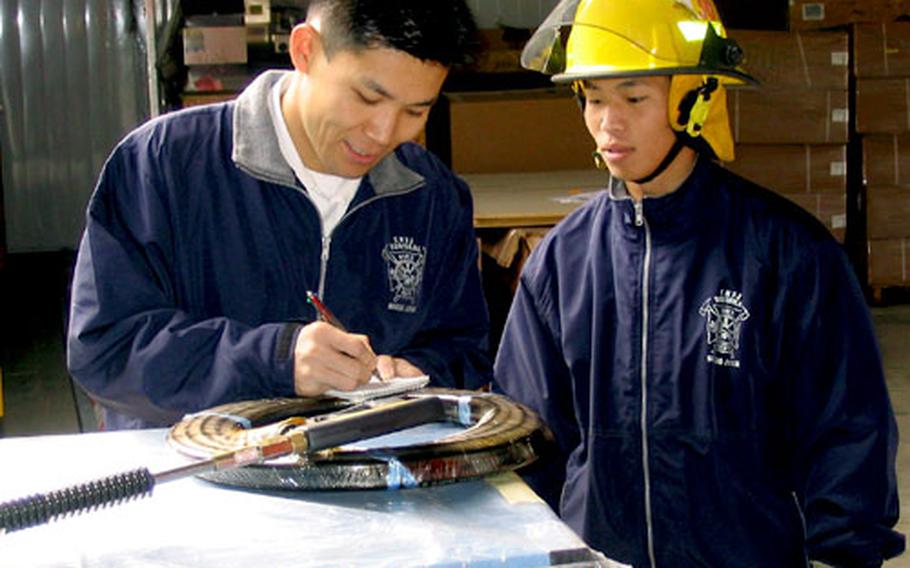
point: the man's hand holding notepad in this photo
(378, 389)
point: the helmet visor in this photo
(545, 51)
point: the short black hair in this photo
(443, 31)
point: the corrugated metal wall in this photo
(513, 13)
(72, 83)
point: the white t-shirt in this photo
(330, 194)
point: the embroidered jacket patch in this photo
(724, 315)
(405, 261)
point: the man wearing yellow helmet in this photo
(699, 346)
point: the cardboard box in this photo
(789, 116)
(258, 34)
(512, 250)
(889, 262)
(217, 78)
(257, 12)
(796, 59)
(886, 159)
(810, 14)
(504, 253)
(211, 45)
(793, 168)
(882, 106)
(517, 131)
(829, 208)
(881, 50)
(188, 99)
(887, 212)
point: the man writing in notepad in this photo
(209, 225)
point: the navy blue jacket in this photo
(200, 245)
(709, 368)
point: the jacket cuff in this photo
(284, 359)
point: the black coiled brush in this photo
(39, 509)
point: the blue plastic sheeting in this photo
(190, 522)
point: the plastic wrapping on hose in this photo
(398, 474)
(479, 434)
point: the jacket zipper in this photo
(802, 520)
(324, 262)
(646, 276)
(327, 239)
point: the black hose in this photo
(499, 435)
(43, 508)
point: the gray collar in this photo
(256, 149)
(618, 190)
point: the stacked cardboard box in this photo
(882, 67)
(215, 52)
(814, 14)
(889, 262)
(529, 133)
(528, 130)
(886, 172)
(792, 131)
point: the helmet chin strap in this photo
(668, 159)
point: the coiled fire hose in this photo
(245, 444)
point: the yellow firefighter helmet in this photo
(602, 39)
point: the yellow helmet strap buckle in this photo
(695, 106)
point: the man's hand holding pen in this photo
(327, 356)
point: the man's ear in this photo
(305, 45)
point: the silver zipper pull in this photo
(639, 213)
(326, 243)
(324, 262)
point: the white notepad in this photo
(378, 389)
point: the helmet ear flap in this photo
(698, 113)
(694, 106)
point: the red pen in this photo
(324, 313)
(327, 316)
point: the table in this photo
(496, 521)
(530, 199)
